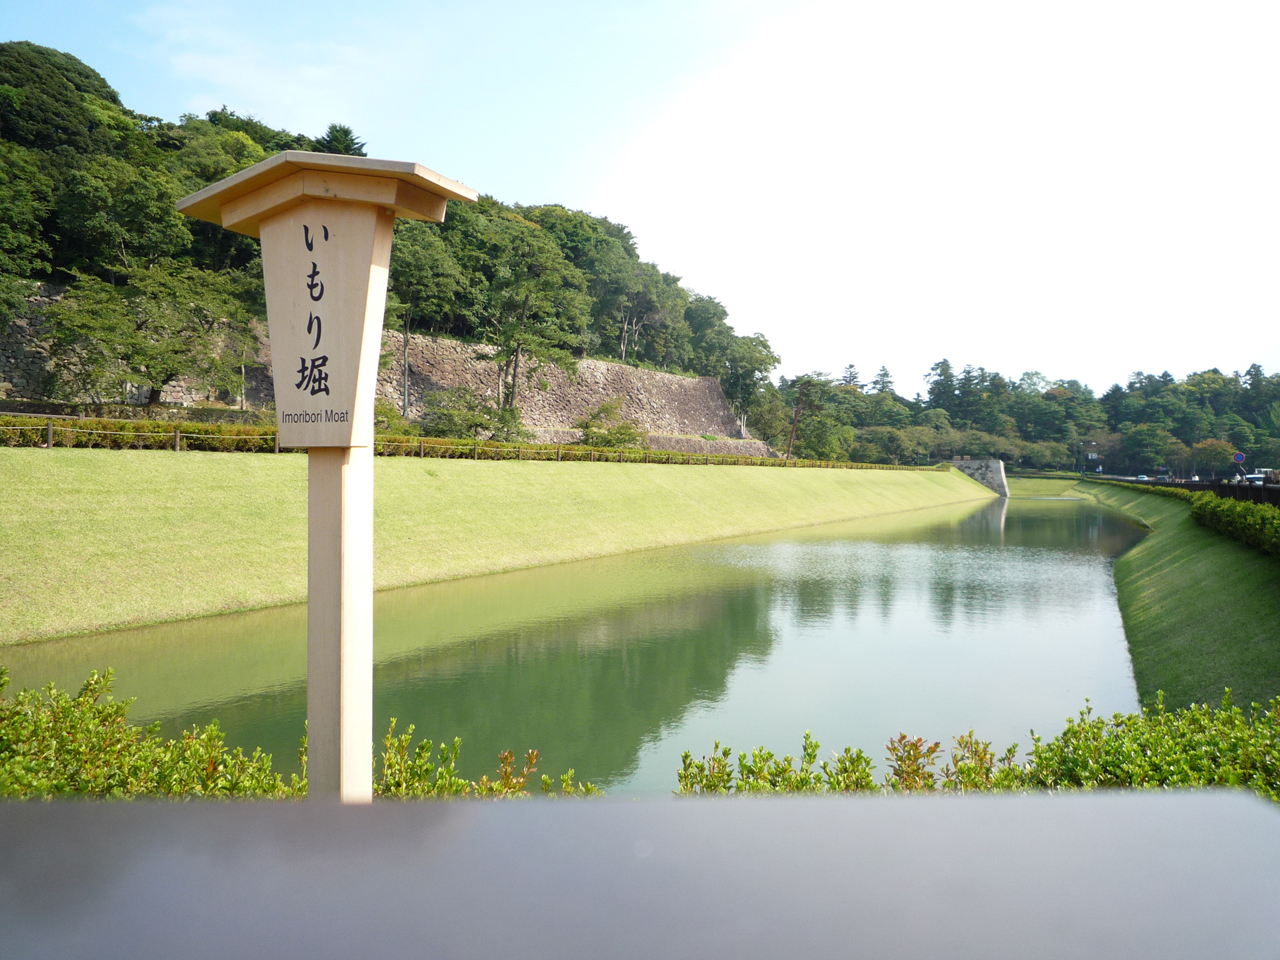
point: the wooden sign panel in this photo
(325, 265)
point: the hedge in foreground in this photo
(53, 744)
(1200, 746)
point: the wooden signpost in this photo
(326, 223)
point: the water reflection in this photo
(1000, 617)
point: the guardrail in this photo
(47, 433)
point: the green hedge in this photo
(390, 445)
(1255, 524)
(19, 431)
(1174, 493)
(136, 435)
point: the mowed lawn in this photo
(1201, 612)
(95, 539)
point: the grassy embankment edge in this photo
(94, 540)
(1201, 612)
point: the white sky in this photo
(1084, 189)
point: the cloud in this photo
(1081, 189)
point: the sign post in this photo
(326, 223)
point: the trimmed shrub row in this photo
(1254, 524)
(1257, 524)
(137, 435)
(406, 446)
(1174, 493)
(17, 431)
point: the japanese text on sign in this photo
(312, 375)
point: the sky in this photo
(1082, 189)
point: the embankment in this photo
(92, 539)
(1201, 612)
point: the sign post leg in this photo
(340, 623)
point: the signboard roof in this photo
(241, 201)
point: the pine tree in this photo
(340, 138)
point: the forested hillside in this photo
(87, 193)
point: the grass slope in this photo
(94, 539)
(1201, 612)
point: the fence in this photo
(1256, 492)
(49, 433)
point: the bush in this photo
(1257, 524)
(21, 431)
(56, 745)
(398, 441)
(1174, 493)
(53, 744)
(605, 427)
(1199, 746)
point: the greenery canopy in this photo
(87, 194)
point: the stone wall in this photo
(25, 365)
(677, 412)
(989, 473)
(24, 353)
(662, 404)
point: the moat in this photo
(1000, 617)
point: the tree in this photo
(424, 278)
(809, 394)
(605, 427)
(24, 201)
(113, 216)
(47, 101)
(340, 138)
(458, 412)
(942, 387)
(167, 321)
(883, 383)
(650, 297)
(25, 195)
(536, 299)
(749, 361)
(850, 377)
(1213, 455)
(768, 416)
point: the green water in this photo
(1000, 617)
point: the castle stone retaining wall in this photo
(989, 473)
(678, 412)
(551, 402)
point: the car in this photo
(1142, 476)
